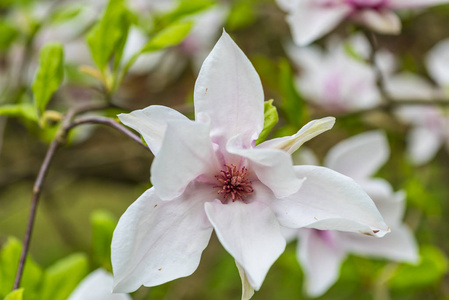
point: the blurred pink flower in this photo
(333, 79)
(321, 252)
(312, 19)
(208, 175)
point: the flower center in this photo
(233, 183)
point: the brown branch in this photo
(111, 123)
(58, 141)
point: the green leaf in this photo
(270, 119)
(9, 261)
(63, 277)
(15, 295)
(49, 74)
(103, 225)
(242, 15)
(431, 270)
(22, 110)
(7, 35)
(184, 9)
(64, 14)
(108, 36)
(168, 37)
(293, 105)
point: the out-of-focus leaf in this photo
(9, 261)
(422, 197)
(293, 105)
(108, 36)
(63, 277)
(15, 295)
(184, 9)
(168, 37)
(270, 120)
(22, 110)
(7, 35)
(65, 14)
(431, 269)
(103, 225)
(49, 74)
(241, 15)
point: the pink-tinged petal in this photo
(229, 91)
(406, 86)
(185, 154)
(250, 233)
(399, 245)
(97, 286)
(359, 156)
(423, 144)
(247, 289)
(309, 21)
(290, 144)
(273, 167)
(408, 4)
(328, 200)
(158, 241)
(151, 123)
(320, 256)
(381, 21)
(437, 62)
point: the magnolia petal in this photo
(437, 62)
(382, 21)
(290, 144)
(151, 123)
(309, 21)
(328, 200)
(359, 156)
(407, 4)
(97, 286)
(158, 241)
(273, 168)
(423, 144)
(250, 233)
(247, 289)
(399, 245)
(186, 153)
(321, 257)
(229, 91)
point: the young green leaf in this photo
(168, 37)
(7, 35)
(49, 74)
(108, 36)
(103, 225)
(21, 110)
(63, 277)
(9, 260)
(270, 119)
(15, 295)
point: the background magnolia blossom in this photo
(312, 19)
(321, 253)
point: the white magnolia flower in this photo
(321, 252)
(208, 175)
(97, 286)
(333, 79)
(312, 19)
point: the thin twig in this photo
(36, 193)
(108, 122)
(59, 140)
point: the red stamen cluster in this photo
(233, 183)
